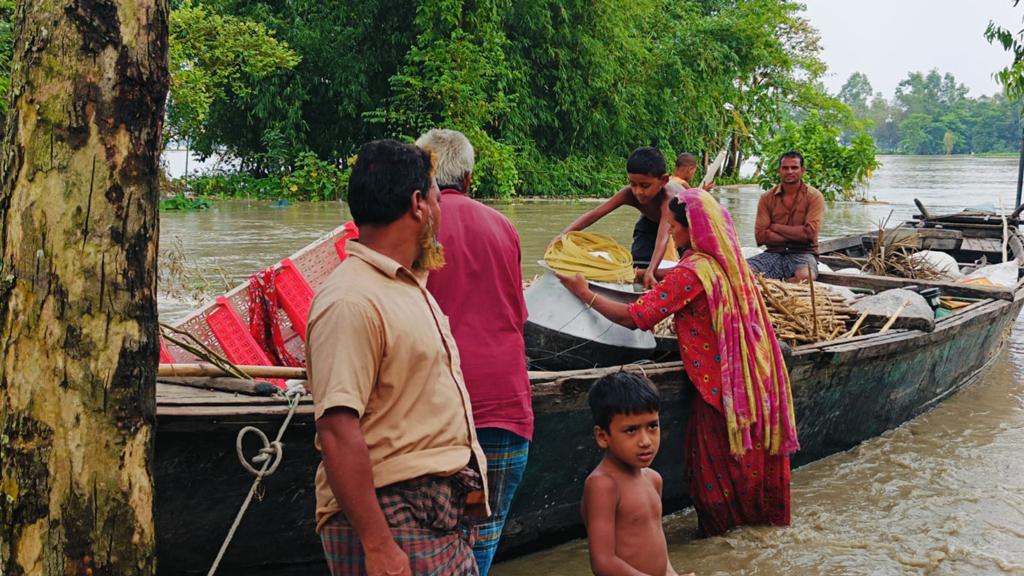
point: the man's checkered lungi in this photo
(427, 516)
(782, 265)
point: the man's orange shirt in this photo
(808, 210)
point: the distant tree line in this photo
(931, 113)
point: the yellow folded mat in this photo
(596, 256)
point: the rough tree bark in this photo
(78, 245)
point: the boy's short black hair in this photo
(383, 179)
(678, 209)
(646, 160)
(622, 393)
(686, 159)
(792, 154)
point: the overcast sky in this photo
(886, 39)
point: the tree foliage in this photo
(554, 94)
(931, 113)
(215, 59)
(856, 93)
(1012, 76)
(832, 167)
(348, 50)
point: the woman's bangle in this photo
(592, 299)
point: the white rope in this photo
(269, 456)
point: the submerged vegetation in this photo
(182, 278)
(180, 201)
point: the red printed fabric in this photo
(263, 324)
(480, 289)
(726, 491)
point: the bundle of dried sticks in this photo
(797, 316)
(806, 313)
(895, 254)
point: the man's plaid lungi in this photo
(427, 516)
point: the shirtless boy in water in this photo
(622, 496)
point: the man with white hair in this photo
(480, 288)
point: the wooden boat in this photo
(845, 392)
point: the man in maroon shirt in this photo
(480, 288)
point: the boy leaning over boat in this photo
(401, 466)
(648, 191)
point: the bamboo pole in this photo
(895, 315)
(856, 325)
(814, 304)
(250, 371)
(223, 384)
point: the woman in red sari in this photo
(741, 428)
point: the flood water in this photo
(943, 494)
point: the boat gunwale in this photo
(546, 383)
(807, 352)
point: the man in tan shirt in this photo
(401, 464)
(788, 220)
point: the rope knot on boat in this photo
(268, 457)
(271, 451)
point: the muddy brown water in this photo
(944, 494)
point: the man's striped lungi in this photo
(427, 516)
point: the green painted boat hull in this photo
(843, 395)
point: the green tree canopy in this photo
(1012, 76)
(554, 94)
(215, 58)
(856, 93)
(836, 169)
(932, 113)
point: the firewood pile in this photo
(796, 317)
(800, 318)
(666, 328)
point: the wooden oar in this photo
(250, 371)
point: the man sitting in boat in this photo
(788, 220)
(648, 193)
(400, 459)
(741, 427)
(480, 288)
(686, 168)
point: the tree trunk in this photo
(731, 169)
(78, 246)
